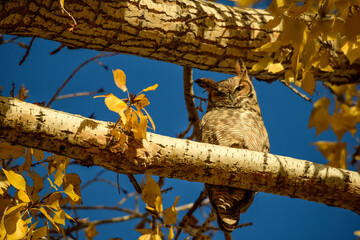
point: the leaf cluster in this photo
(344, 118)
(151, 195)
(23, 204)
(133, 116)
(312, 35)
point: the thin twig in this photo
(134, 183)
(124, 199)
(204, 226)
(12, 40)
(190, 212)
(102, 207)
(183, 134)
(75, 71)
(57, 49)
(296, 91)
(189, 100)
(27, 51)
(99, 222)
(80, 94)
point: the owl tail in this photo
(228, 203)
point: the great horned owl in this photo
(232, 119)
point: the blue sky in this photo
(285, 115)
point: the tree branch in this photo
(86, 140)
(190, 103)
(194, 33)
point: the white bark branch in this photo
(194, 33)
(87, 141)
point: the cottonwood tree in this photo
(293, 42)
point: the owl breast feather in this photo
(237, 128)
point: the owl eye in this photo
(219, 94)
(240, 87)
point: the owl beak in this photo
(231, 97)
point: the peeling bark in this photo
(88, 141)
(193, 33)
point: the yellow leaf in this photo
(14, 209)
(275, 67)
(156, 237)
(151, 121)
(351, 27)
(351, 51)
(246, 3)
(150, 192)
(322, 63)
(43, 211)
(357, 233)
(308, 82)
(11, 151)
(17, 228)
(158, 204)
(115, 104)
(345, 120)
(38, 182)
(272, 23)
(38, 154)
(40, 233)
(16, 180)
(4, 185)
(277, 7)
(319, 117)
(141, 101)
(334, 152)
(28, 161)
(90, 232)
(59, 217)
(59, 175)
(151, 88)
(120, 79)
(74, 179)
(269, 47)
(53, 200)
(52, 185)
(23, 196)
(170, 214)
(289, 76)
(171, 233)
(262, 64)
(55, 204)
(69, 217)
(144, 231)
(294, 33)
(69, 190)
(296, 11)
(136, 127)
(176, 201)
(143, 126)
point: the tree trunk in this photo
(89, 142)
(198, 34)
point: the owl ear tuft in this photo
(240, 68)
(206, 83)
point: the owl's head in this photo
(232, 92)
